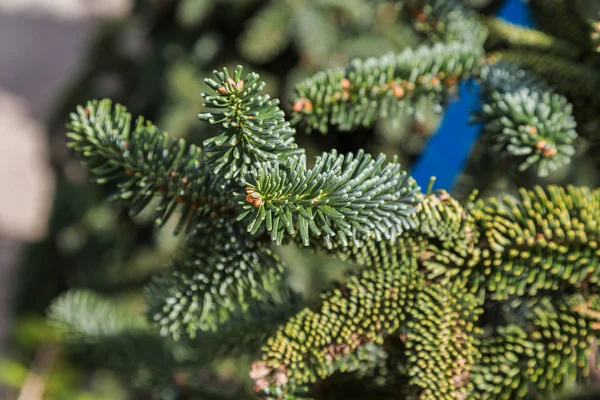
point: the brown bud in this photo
(259, 369)
(280, 378)
(260, 385)
(299, 105)
(258, 202)
(250, 199)
(531, 129)
(549, 152)
(249, 189)
(230, 81)
(128, 172)
(541, 145)
(222, 90)
(451, 81)
(180, 378)
(443, 196)
(173, 174)
(345, 84)
(302, 104)
(398, 92)
(240, 84)
(435, 81)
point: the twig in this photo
(35, 383)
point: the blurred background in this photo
(58, 232)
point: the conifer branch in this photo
(144, 163)
(502, 33)
(305, 348)
(348, 197)
(524, 119)
(104, 330)
(446, 21)
(545, 355)
(560, 18)
(217, 272)
(546, 240)
(571, 79)
(441, 348)
(367, 90)
(253, 128)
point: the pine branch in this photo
(245, 330)
(363, 310)
(441, 345)
(560, 18)
(381, 88)
(343, 196)
(546, 240)
(87, 316)
(574, 80)
(144, 163)
(502, 33)
(253, 128)
(267, 33)
(446, 21)
(525, 120)
(218, 270)
(545, 355)
(105, 331)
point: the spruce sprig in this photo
(253, 127)
(349, 197)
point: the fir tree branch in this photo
(86, 316)
(561, 19)
(245, 330)
(144, 163)
(343, 196)
(502, 33)
(103, 330)
(268, 32)
(572, 79)
(525, 120)
(253, 128)
(107, 332)
(545, 355)
(546, 240)
(441, 347)
(381, 88)
(364, 309)
(218, 270)
(446, 21)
